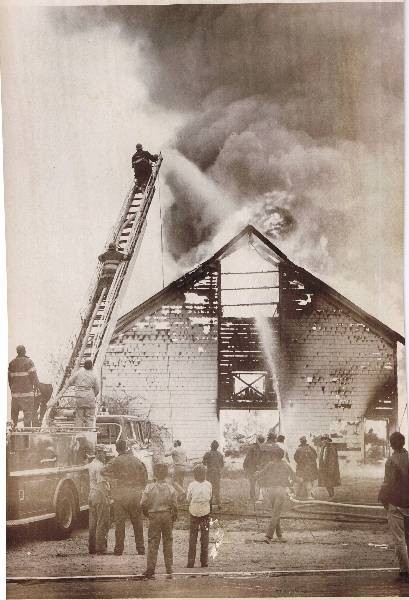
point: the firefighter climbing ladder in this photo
(100, 316)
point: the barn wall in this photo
(166, 362)
(334, 369)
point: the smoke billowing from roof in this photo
(295, 121)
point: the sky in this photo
(289, 117)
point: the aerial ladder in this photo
(99, 318)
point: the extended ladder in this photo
(100, 317)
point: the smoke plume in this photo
(295, 122)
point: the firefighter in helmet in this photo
(142, 165)
(110, 260)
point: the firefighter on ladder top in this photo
(142, 166)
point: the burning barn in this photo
(248, 330)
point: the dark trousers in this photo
(160, 526)
(98, 522)
(252, 484)
(196, 524)
(214, 478)
(128, 507)
(179, 475)
(27, 406)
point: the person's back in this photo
(267, 450)
(394, 495)
(275, 473)
(86, 385)
(86, 389)
(397, 478)
(159, 503)
(128, 477)
(23, 381)
(274, 478)
(127, 470)
(213, 460)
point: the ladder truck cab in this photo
(47, 466)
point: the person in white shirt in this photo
(98, 504)
(199, 495)
(86, 390)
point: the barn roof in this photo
(314, 281)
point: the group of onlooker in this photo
(123, 483)
(305, 457)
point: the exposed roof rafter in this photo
(175, 288)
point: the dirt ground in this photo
(311, 544)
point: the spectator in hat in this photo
(305, 458)
(328, 466)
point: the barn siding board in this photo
(333, 367)
(167, 361)
(168, 354)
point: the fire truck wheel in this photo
(66, 512)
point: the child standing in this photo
(159, 503)
(199, 495)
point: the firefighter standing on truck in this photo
(141, 164)
(86, 390)
(23, 381)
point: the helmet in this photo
(138, 146)
(112, 246)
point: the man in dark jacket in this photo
(251, 464)
(129, 478)
(274, 479)
(214, 462)
(23, 382)
(394, 495)
(305, 458)
(328, 475)
(269, 448)
(141, 164)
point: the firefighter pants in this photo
(27, 406)
(399, 528)
(127, 506)
(196, 524)
(85, 417)
(160, 526)
(274, 498)
(98, 522)
(214, 478)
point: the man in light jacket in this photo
(86, 391)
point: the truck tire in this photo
(66, 512)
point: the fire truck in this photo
(47, 467)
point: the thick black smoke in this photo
(297, 117)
